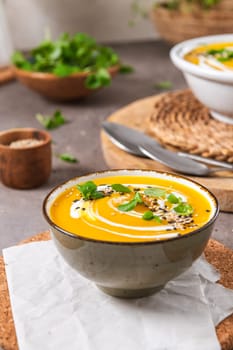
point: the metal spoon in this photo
(139, 144)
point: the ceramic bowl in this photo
(25, 167)
(212, 87)
(130, 269)
(57, 88)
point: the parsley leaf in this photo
(155, 192)
(51, 122)
(68, 158)
(120, 188)
(89, 191)
(184, 209)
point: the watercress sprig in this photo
(183, 209)
(155, 192)
(71, 54)
(89, 191)
(132, 204)
(51, 122)
(120, 188)
(149, 215)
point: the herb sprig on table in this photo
(67, 157)
(72, 54)
(51, 122)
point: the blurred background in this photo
(106, 20)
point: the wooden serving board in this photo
(134, 115)
(216, 254)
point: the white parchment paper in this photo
(55, 308)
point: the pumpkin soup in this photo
(130, 209)
(218, 56)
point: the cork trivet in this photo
(6, 74)
(180, 121)
(216, 253)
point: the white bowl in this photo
(213, 88)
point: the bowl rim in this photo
(178, 50)
(140, 243)
(51, 76)
(47, 139)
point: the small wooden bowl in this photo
(58, 88)
(25, 167)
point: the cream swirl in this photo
(90, 214)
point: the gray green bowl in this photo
(130, 270)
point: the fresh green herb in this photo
(132, 204)
(173, 199)
(68, 158)
(138, 198)
(184, 5)
(149, 215)
(184, 209)
(120, 188)
(51, 122)
(98, 79)
(222, 55)
(126, 69)
(68, 55)
(89, 191)
(157, 218)
(155, 192)
(163, 85)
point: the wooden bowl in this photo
(25, 167)
(58, 88)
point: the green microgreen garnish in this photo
(100, 78)
(120, 188)
(51, 122)
(68, 158)
(68, 55)
(222, 55)
(89, 191)
(173, 199)
(163, 85)
(149, 215)
(183, 209)
(132, 204)
(155, 192)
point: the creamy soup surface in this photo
(130, 209)
(217, 56)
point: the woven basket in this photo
(175, 26)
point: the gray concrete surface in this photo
(20, 210)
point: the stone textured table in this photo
(20, 210)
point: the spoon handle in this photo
(209, 161)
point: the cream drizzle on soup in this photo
(133, 209)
